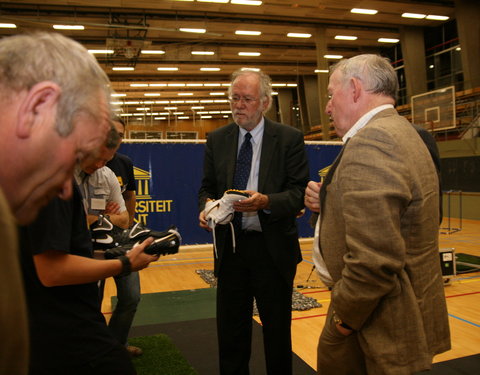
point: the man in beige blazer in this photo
(377, 232)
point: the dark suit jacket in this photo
(283, 176)
(379, 240)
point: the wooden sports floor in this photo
(177, 272)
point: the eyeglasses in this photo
(237, 99)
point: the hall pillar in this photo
(413, 51)
(322, 80)
(468, 26)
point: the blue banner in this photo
(168, 177)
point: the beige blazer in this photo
(379, 239)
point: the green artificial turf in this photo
(160, 356)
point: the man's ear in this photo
(38, 105)
(357, 88)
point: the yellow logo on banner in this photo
(145, 203)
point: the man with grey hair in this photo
(267, 161)
(54, 107)
(377, 233)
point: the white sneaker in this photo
(221, 212)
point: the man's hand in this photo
(256, 202)
(312, 196)
(202, 222)
(138, 258)
(112, 208)
(344, 331)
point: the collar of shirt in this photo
(364, 120)
(256, 133)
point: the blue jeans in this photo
(128, 297)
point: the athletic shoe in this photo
(116, 241)
(221, 212)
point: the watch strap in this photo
(126, 265)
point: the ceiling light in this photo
(8, 26)
(176, 85)
(388, 40)
(162, 101)
(299, 35)
(167, 69)
(191, 101)
(124, 68)
(198, 107)
(205, 117)
(170, 108)
(249, 54)
(138, 84)
(177, 102)
(246, 2)
(152, 94)
(178, 113)
(458, 49)
(95, 51)
(206, 101)
(132, 102)
(247, 32)
(333, 56)
(69, 27)
(185, 94)
(148, 102)
(210, 69)
(292, 85)
(160, 118)
(152, 52)
(221, 101)
(279, 84)
(321, 71)
(157, 84)
(189, 30)
(183, 117)
(250, 69)
(346, 37)
(204, 53)
(143, 109)
(414, 15)
(437, 18)
(116, 95)
(194, 84)
(213, 1)
(364, 11)
(211, 84)
(217, 93)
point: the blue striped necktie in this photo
(242, 173)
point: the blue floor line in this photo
(464, 320)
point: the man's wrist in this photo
(126, 266)
(340, 322)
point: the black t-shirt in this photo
(66, 324)
(122, 166)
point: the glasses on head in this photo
(237, 99)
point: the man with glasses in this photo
(266, 160)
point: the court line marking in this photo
(464, 320)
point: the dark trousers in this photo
(243, 275)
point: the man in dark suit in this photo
(377, 233)
(263, 261)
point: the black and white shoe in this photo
(116, 241)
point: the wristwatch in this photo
(126, 266)
(337, 320)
